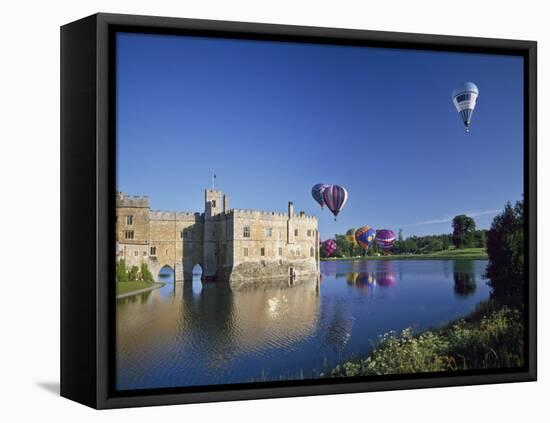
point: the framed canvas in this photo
(258, 211)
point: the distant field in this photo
(126, 287)
(451, 254)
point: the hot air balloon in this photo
(335, 197)
(329, 247)
(385, 238)
(364, 237)
(317, 193)
(350, 236)
(464, 99)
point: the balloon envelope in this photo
(329, 247)
(365, 236)
(317, 193)
(464, 99)
(335, 197)
(385, 238)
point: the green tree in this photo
(445, 241)
(505, 247)
(121, 272)
(481, 238)
(463, 231)
(146, 274)
(133, 273)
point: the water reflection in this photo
(195, 334)
(464, 278)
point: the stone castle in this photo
(232, 245)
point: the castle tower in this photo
(214, 202)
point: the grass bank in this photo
(451, 254)
(490, 337)
(128, 287)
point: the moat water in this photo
(193, 334)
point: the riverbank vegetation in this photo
(132, 278)
(491, 337)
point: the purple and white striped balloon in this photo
(335, 197)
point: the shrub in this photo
(121, 272)
(146, 274)
(133, 273)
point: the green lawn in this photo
(451, 254)
(126, 287)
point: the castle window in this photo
(213, 203)
(153, 251)
(311, 252)
(182, 234)
(280, 251)
(129, 219)
(245, 252)
(262, 252)
(268, 232)
(136, 253)
(295, 232)
(144, 253)
(309, 232)
(246, 232)
(128, 234)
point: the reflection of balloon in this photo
(317, 193)
(351, 277)
(385, 238)
(335, 197)
(329, 247)
(364, 237)
(464, 99)
(365, 279)
(385, 278)
(385, 274)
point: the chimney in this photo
(290, 209)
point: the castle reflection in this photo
(218, 321)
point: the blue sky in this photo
(273, 119)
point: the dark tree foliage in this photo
(464, 228)
(505, 247)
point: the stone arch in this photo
(166, 274)
(191, 269)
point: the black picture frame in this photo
(88, 160)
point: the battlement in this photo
(245, 213)
(123, 200)
(171, 216)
